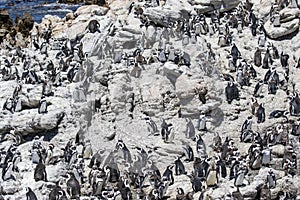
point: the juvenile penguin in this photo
(212, 175)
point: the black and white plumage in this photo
(126, 153)
(258, 88)
(151, 126)
(168, 174)
(188, 153)
(231, 92)
(40, 172)
(30, 195)
(200, 146)
(179, 167)
(261, 116)
(43, 105)
(190, 129)
(73, 186)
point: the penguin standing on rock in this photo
(30, 195)
(257, 57)
(126, 153)
(42, 105)
(73, 186)
(179, 167)
(231, 92)
(261, 116)
(168, 174)
(40, 172)
(190, 129)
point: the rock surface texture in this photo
(153, 99)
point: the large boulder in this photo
(205, 6)
(285, 29)
(29, 121)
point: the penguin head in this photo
(180, 191)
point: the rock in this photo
(91, 10)
(288, 14)
(29, 121)
(161, 15)
(118, 87)
(10, 187)
(205, 6)
(278, 150)
(284, 30)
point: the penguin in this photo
(202, 122)
(231, 92)
(239, 178)
(93, 26)
(30, 195)
(40, 172)
(284, 59)
(190, 129)
(267, 76)
(168, 174)
(126, 153)
(261, 114)
(271, 179)
(179, 167)
(16, 160)
(49, 154)
(151, 125)
(180, 194)
(212, 178)
(203, 167)
(188, 153)
(9, 104)
(266, 156)
(278, 114)
(87, 151)
(56, 193)
(247, 125)
(73, 186)
(221, 168)
(257, 57)
(196, 183)
(258, 88)
(7, 172)
(200, 146)
(42, 108)
(17, 104)
(266, 60)
(235, 53)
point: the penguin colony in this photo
(131, 173)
